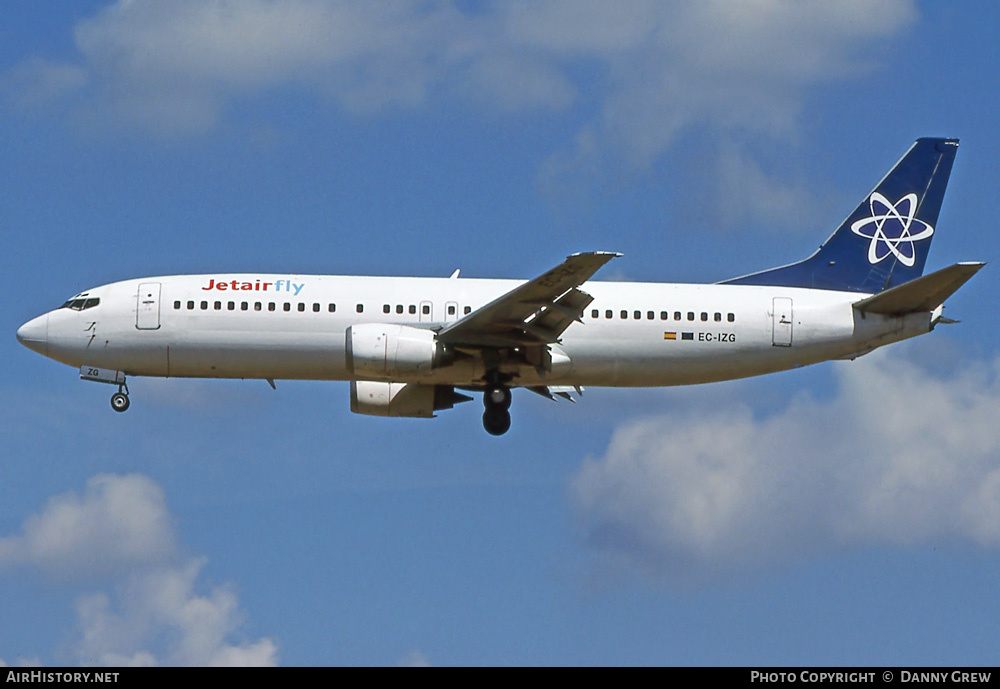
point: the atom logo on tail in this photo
(891, 229)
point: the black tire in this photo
(496, 421)
(119, 401)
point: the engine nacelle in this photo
(375, 398)
(385, 350)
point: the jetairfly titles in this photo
(223, 285)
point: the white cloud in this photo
(37, 82)
(163, 602)
(515, 82)
(23, 662)
(737, 189)
(120, 521)
(656, 67)
(644, 73)
(743, 66)
(899, 456)
(174, 67)
(121, 532)
(414, 659)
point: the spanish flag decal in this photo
(669, 336)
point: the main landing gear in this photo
(496, 399)
(119, 400)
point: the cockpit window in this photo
(81, 304)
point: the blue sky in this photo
(844, 514)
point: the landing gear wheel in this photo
(496, 421)
(119, 401)
(498, 398)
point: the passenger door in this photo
(781, 318)
(147, 312)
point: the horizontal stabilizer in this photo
(922, 294)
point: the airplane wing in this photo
(535, 313)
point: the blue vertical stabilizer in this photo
(884, 242)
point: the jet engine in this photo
(414, 400)
(385, 350)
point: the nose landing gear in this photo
(119, 400)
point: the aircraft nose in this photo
(35, 334)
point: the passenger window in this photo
(204, 306)
(426, 310)
(677, 315)
(468, 310)
(732, 317)
(624, 315)
(177, 304)
(718, 317)
(637, 314)
(399, 308)
(361, 308)
(332, 308)
(650, 315)
(257, 306)
(608, 314)
(704, 316)
(451, 310)
(301, 307)
(595, 313)
(244, 306)
(270, 306)
(386, 308)
(190, 306)
(315, 307)
(690, 315)
(413, 309)
(218, 306)
(287, 307)
(231, 305)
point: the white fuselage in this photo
(293, 327)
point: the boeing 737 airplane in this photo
(407, 345)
